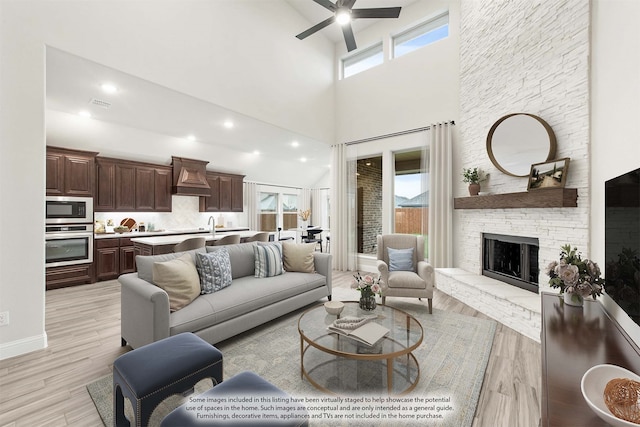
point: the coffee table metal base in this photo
(407, 375)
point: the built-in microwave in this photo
(69, 210)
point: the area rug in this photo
(453, 358)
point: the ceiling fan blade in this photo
(348, 3)
(316, 27)
(349, 39)
(327, 4)
(380, 12)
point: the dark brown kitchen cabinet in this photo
(113, 257)
(145, 188)
(127, 256)
(70, 172)
(132, 186)
(107, 259)
(226, 193)
(162, 189)
(105, 197)
(70, 275)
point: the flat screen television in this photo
(622, 242)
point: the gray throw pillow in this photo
(400, 259)
(214, 269)
(268, 259)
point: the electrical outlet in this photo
(4, 318)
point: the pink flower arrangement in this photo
(367, 285)
(572, 274)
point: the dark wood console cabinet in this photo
(574, 340)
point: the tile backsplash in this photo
(185, 214)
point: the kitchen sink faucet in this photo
(212, 223)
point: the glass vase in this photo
(368, 302)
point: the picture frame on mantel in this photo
(550, 174)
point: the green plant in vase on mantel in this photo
(473, 177)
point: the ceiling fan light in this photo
(343, 16)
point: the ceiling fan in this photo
(343, 14)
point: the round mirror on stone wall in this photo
(517, 141)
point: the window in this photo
(421, 35)
(367, 58)
(289, 211)
(268, 211)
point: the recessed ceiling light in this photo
(84, 113)
(228, 124)
(191, 137)
(256, 152)
(295, 144)
(109, 88)
(303, 159)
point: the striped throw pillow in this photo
(268, 259)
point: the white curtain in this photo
(304, 203)
(253, 200)
(342, 236)
(440, 196)
(316, 208)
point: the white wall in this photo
(409, 92)
(239, 54)
(615, 113)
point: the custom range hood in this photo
(190, 177)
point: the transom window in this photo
(425, 33)
(367, 58)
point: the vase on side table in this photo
(573, 299)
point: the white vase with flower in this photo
(576, 277)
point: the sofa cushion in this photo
(214, 269)
(144, 263)
(298, 257)
(179, 279)
(268, 259)
(241, 258)
(245, 295)
(400, 259)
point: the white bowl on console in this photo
(592, 385)
(334, 307)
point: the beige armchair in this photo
(416, 279)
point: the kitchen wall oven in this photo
(68, 245)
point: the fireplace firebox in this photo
(511, 259)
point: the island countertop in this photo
(175, 239)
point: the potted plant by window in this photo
(473, 177)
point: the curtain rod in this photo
(389, 135)
(287, 186)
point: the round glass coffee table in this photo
(337, 364)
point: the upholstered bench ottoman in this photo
(245, 399)
(151, 373)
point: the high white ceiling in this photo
(74, 82)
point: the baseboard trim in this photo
(23, 346)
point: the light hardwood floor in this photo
(47, 387)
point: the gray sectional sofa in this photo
(245, 304)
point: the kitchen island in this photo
(157, 245)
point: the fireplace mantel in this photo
(544, 198)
